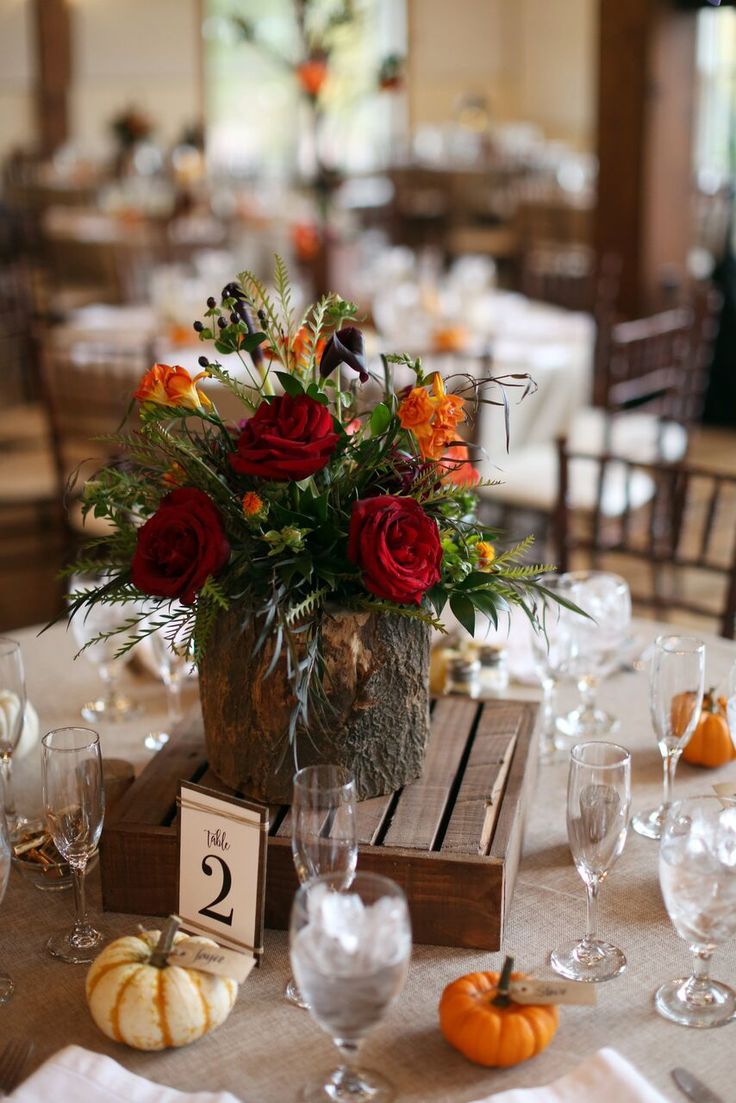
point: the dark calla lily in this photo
(344, 347)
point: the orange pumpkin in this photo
(710, 743)
(479, 1017)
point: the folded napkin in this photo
(75, 1075)
(606, 1077)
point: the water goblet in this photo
(74, 803)
(173, 660)
(597, 642)
(323, 831)
(697, 873)
(675, 699)
(350, 946)
(13, 690)
(598, 800)
(87, 624)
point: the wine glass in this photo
(598, 639)
(6, 982)
(598, 800)
(74, 803)
(675, 698)
(87, 624)
(323, 831)
(173, 659)
(697, 872)
(13, 688)
(350, 946)
(553, 648)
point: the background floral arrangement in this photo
(322, 497)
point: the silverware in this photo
(13, 1057)
(693, 1088)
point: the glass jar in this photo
(494, 670)
(463, 676)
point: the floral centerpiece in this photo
(307, 551)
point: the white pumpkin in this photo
(9, 705)
(151, 1007)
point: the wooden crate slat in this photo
(153, 795)
(478, 801)
(422, 805)
(370, 816)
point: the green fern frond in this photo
(306, 607)
(375, 605)
(283, 289)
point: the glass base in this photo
(7, 987)
(294, 996)
(650, 823)
(586, 723)
(111, 710)
(350, 1085)
(154, 741)
(713, 1005)
(76, 948)
(588, 961)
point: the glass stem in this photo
(6, 765)
(591, 926)
(588, 689)
(347, 1079)
(173, 699)
(109, 677)
(697, 989)
(80, 902)
(671, 759)
(547, 737)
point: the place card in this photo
(217, 960)
(552, 991)
(222, 867)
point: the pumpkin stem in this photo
(160, 956)
(502, 997)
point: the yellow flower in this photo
(486, 554)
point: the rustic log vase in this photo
(377, 725)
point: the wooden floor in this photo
(33, 595)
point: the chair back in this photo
(670, 529)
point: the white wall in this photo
(534, 60)
(16, 75)
(133, 52)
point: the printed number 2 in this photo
(227, 881)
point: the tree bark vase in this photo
(376, 723)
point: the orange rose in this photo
(433, 441)
(311, 75)
(172, 386)
(416, 409)
(449, 411)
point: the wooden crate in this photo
(452, 839)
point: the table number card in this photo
(222, 867)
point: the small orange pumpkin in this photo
(479, 1017)
(710, 743)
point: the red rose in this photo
(287, 438)
(180, 546)
(397, 547)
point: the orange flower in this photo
(174, 476)
(449, 411)
(172, 386)
(486, 554)
(433, 441)
(312, 74)
(296, 358)
(458, 467)
(252, 503)
(306, 241)
(416, 410)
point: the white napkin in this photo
(75, 1075)
(607, 1077)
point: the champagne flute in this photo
(598, 800)
(74, 802)
(6, 982)
(13, 688)
(323, 831)
(88, 623)
(553, 650)
(350, 945)
(173, 660)
(598, 639)
(675, 699)
(697, 873)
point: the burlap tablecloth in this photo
(267, 1048)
